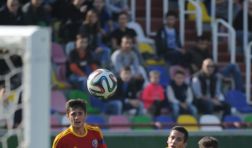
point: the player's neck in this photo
(79, 130)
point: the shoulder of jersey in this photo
(94, 128)
(63, 133)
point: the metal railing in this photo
(248, 72)
(230, 11)
(183, 12)
(245, 24)
(231, 35)
(133, 10)
(148, 11)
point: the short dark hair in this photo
(182, 130)
(208, 142)
(123, 13)
(126, 68)
(76, 103)
(81, 36)
(179, 72)
(127, 37)
(171, 13)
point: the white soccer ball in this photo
(102, 83)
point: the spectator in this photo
(11, 14)
(125, 56)
(81, 62)
(167, 40)
(238, 25)
(72, 18)
(180, 95)
(92, 29)
(153, 94)
(104, 17)
(207, 89)
(127, 94)
(199, 53)
(117, 34)
(230, 72)
(35, 14)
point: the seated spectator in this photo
(168, 43)
(153, 94)
(100, 8)
(81, 63)
(11, 14)
(229, 72)
(72, 16)
(35, 14)
(180, 95)
(199, 53)
(238, 25)
(207, 89)
(91, 28)
(127, 94)
(63, 9)
(117, 34)
(125, 56)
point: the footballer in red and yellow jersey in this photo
(92, 138)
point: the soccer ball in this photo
(102, 83)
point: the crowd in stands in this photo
(94, 34)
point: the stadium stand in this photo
(142, 122)
(189, 122)
(212, 123)
(118, 120)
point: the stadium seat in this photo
(230, 121)
(58, 54)
(140, 33)
(188, 119)
(77, 94)
(205, 16)
(143, 122)
(166, 120)
(118, 120)
(55, 121)
(237, 99)
(210, 119)
(164, 76)
(248, 118)
(58, 101)
(57, 83)
(96, 120)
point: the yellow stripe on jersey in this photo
(94, 128)
(59, 136)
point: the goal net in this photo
(24, 87)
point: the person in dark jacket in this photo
(11, 14)
(168, 44)
(207, 90)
